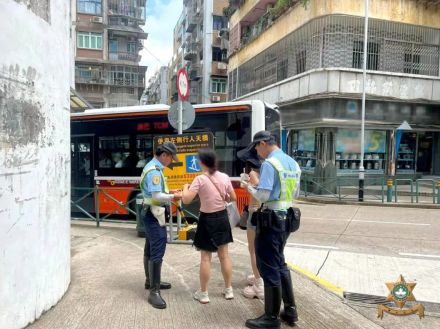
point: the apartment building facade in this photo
(198, 48)
(177, 60)
(108, 40)
(157, 90)
(307, 57)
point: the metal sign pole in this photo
(179, 118)
(179, 131)
(361, 165)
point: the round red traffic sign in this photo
(182, 84)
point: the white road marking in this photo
(383, 222)
(289, 244)
(366, 221)
(310, 246)
(418, 255)
(329, 219)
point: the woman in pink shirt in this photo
(213, 230)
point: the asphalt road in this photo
(359, 248)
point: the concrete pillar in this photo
(35, 64)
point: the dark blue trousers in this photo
(155, 238)
(269, 250)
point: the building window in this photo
(218, 85)
(131, 47)
(218, 23)
(113, 45)
(89, 7)
(124, 76)
(216, 54)
(282, 69)
(412, 63)
(301, 58)
(372, 56)
(89, 40)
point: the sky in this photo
(162, 16)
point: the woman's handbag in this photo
(233, 214)
(231, 208)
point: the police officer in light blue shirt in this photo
(277, 188)
(156, 208)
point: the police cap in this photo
(260, 136)
(170, 148)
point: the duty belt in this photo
(278, 205)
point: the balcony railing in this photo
(127, 80)
(89, 76)
(117, 21)
(123, 56)
(127, 8)
(191, 51)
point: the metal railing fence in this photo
(87, 201)
(379, 188)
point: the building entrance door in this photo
(424, 153)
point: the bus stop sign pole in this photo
(183, 91)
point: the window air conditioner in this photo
(215, 98)
(96, 19)
(222, 66)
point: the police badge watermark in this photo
(400, 293)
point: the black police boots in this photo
(289, 314)
(163, 285)
(155, 299)
(272, 303)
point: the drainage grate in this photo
(353, 298)
(364, 298)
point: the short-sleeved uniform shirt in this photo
(269, 179)
(153, 181)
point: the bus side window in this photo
(104, 160)
(130, 161)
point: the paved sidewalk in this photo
(107, 291)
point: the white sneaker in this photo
(250, 279)
(229, 294)
(201, 296)
(255, 291)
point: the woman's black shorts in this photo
(213, 230)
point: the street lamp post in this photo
(364, 71)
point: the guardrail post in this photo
(389, 190)
(97, 205)
(305, 186)
(438, 191)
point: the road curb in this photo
(369, 203)
(322, 282)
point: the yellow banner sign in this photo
(188, 167)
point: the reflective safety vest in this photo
(288, 182)
(149, 200)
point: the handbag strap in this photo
(209, 177)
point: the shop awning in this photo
(77, 102)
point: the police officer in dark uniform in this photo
(278, 186)
(156, 210)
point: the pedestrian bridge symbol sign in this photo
(192, 163)
(188, 167)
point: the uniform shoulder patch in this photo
(156, 180)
